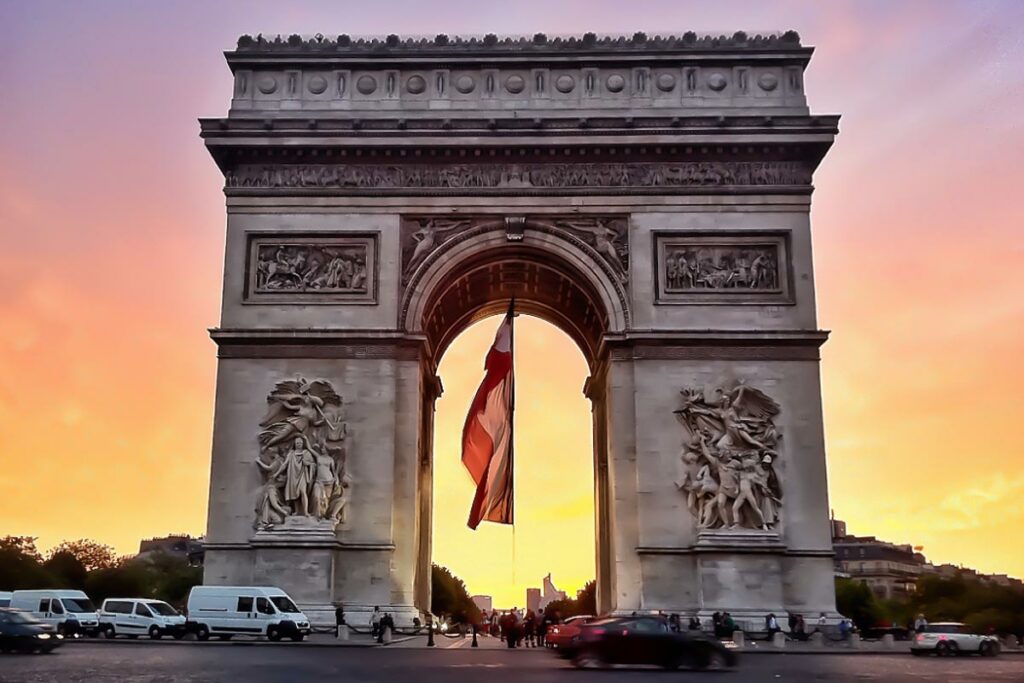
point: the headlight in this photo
(43, 636)
(58, 636)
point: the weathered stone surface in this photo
(657, 213)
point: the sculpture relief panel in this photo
(722, 267)
(312, 268)
(512, 177)
(303, 449)
(609, 237)
(729, 458)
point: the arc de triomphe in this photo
(650, 196)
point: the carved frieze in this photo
(303, 454)
(729, 458)
(470, 178)
(722, 267)
(315, 267)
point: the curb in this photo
(235, 643)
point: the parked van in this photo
(134, 617)
(65, 611)
(5, 599)
(226, 611)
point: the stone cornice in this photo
(491, 45)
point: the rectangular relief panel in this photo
(717, 267)
(311, 268)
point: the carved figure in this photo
(310, 267)
(722, 268)
(608, 242)
(302, 460)
(728, 459)
(426, 240)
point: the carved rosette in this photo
(302, 461)
(730, 457)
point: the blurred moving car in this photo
(647, 641)
(134, 617)
(561, 636)
(66, 611)
(948, 639)
(20, 632)
(5, 598)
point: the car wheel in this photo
(299, 637)
(203, 633)
(61, 630)
(109, 632)
(715, 661)
(273, 634)
(954, 649)
(154, 633)
(588, 660)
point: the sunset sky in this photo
(112, 227)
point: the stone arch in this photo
(553, 274)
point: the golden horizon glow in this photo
(112, 221)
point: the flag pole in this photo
(512, 409)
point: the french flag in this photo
(487, 435)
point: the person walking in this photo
(728, 625)
(375, 622)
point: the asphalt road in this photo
(151, 662)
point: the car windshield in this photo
(283, 604)
(163, 609)
(78, 605)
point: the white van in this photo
(226, 611)
(65, 611)
(5, 598)
(134, 617)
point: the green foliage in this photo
(450, 598)
(585, 602)
(94, 568)
(856, 601)
(981, 605)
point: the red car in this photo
(561, 636)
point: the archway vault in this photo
(552, 273)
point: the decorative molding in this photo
(315, 267)
(722, 353)
(723, 267)
(491, 43)
(654, 177)
(321, 351)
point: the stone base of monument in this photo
(298, 531)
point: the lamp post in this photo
(475, 644)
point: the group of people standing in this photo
(519, 629)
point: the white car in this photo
(64, 611)
(948, 639)
(134, 617)
(226, 611)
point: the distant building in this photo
(550, 593)
(483, 603)
(187, 548)
(890, 570)
(533, 599)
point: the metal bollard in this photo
(430, 631)
(818, 639)
(474, 644)
(739, 638)
(854, 641)
(889, 641)
(386, 638)
(779, 640)
(343, 632)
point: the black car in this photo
(19, 632)
(647, 640)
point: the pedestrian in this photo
(542, 628)
(821, 622)
(716, 624)
(530, 628)
(728, 625)
(771, 623)
(920, 624)
(339, 620)
(375, 622)
(844, 629)
(799, 628)
(695, 623)
(791, 621)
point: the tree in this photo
(66, 569)
(91, 554)
(20, 565)
(856, 600)
(449, 597)
(586, 598)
